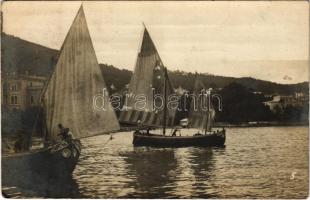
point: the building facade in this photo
(21, 91)
(281, 102)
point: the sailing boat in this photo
(67, 99)
(147, 65)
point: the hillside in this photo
(20, 56)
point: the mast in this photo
(165, 100)
(42, 110)
(206, 127)
(210, 112)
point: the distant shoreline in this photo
(243, 125)
(216, 125)
(252, 126)
(261, 124)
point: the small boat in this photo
(199, 118)
(67, 99)
(151, 75)
(155, 140)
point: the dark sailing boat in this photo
(67, 99)
(150, 73)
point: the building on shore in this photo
(21, 91)
(281, 101)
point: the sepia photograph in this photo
(155, 99)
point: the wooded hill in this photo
(19, 56)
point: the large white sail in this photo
(148, 79)
(76, 80)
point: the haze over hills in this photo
(19, 56)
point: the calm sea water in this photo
(269, 162)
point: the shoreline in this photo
(216, 125)
(260, 124)
(222, 125)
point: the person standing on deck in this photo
(139, 127)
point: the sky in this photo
(268, 40)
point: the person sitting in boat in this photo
(65, 133)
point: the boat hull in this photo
(214, 139)
(56, 161)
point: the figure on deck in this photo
(18, 146)
(148, 131)
(22, 142)
(174, 133)
(139, 127)
(65, 133)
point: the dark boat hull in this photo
(214, 139)
(56, 161)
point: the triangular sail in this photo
(147, 79)
(201, 112)
(77, 79)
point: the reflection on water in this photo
(64, 188)
(256, 162)
(202, 164)
(152, 171)
(32, 185)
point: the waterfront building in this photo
(283, 101)
(21, 91)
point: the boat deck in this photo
(176, 137)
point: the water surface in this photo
(269, 162)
